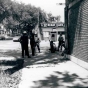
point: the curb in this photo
(11, 61)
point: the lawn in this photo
(9, 80)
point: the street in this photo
(9, 45)
(45, 70)
(10, 48)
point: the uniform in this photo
(24, 44)
(32, 43)
(60, 39)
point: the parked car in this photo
(5, 37)
(2, 37)
(16, 39)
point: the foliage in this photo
(20, 16)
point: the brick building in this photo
(76, 19)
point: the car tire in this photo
(3, 38)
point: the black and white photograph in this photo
(43, 43)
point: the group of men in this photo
(24, 40)
(34, 41)
(61, 43)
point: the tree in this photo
(20, 16)
(4, 9)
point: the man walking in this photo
(24, 44)
(37, 41)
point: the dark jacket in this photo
(24, 39)
(60, 39)
(32, 39)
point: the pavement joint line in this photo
(80, 65)
(40, 67)
(53, 65)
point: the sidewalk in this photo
(63, 75)
(48, 70)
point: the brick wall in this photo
(69, 1)
(78, 30)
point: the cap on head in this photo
(33, 31)
(24, 32)
(60, 33)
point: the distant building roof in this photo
(50, 24)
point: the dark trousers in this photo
(33, 49)
(52, 47)
(25, 50)
(60, 45)
(37, 45)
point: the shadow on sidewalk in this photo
(57, 79)
(17, 63)
(45, 57)
(13, 70)
(61, 80)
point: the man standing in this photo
(24, 44)
(32, 43)
(60, 40)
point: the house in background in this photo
(2, 29)
(3, 32)
(51, 30)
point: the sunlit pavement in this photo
(9, 45)
(50, 70)
(45, 69)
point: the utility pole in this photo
(38, 18)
